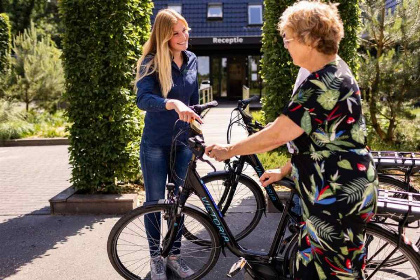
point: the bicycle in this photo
(204, 235)
(238, 195)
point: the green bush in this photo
(278, 71)
(12, 122)
(5, 43)
(101, 45)
(350, 15)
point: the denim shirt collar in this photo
(186, 56)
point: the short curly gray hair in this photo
(314, 23)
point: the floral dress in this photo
(334, 173)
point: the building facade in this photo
(226, 37)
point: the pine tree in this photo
(390, 65)
(37, 70)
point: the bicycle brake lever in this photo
(208, 162)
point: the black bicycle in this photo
(238, 196)
(201, 236)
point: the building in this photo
(226, 37)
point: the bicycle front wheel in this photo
(241, 206)
(139, 234)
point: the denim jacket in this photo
(159, 122)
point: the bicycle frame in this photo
(193, 183)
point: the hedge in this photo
(5, 42)
(278, 71)
(101, 45)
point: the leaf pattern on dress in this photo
(353, 191)
(334, 174)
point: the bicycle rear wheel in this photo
(241, 207)
(388, 182)
(129, 243)
(379, 244)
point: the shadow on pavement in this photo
(26, 238)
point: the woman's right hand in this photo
(271, 176)
(184, 112)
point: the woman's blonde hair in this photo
(313, 23)
(158, 47)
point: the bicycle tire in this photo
(407, 268)
(247, 202)
(128, 242)
(390, 183)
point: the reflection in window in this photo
(203, 69)
(215, 11)
(176, 7)
(255, 81)
(255, 14)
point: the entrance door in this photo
(236, 76)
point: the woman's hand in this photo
(271, 176)
(185, 113)
(219, 152)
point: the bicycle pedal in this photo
(237, 267)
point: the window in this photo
(215, 11)
(176, 7)
(255, 14)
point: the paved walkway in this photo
(35, 245)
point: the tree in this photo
(101, 45)
(390, 65)
(37, 70)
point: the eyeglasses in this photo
(286, 41)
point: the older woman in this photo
(334, 172)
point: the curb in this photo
(68, 202)
(34, 142)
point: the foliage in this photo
(273, 159)
(350, 15)
(12, 123)
(390, 66)
(37, 70)
(5, 43)
(22, 12)
(15, 123)
(407, 134)
(101, 45)
(5, 46)
(276, 65)
(278, 70)
(48, 125)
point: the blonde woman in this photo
(166, 85)
(334, 172)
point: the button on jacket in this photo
(159, 122)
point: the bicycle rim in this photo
(131, 240)
(242, 210)
(380, 243)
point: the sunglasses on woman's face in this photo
(286, 41)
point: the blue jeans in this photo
(155, 165)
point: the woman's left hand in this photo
(219, 152)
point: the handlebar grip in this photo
(245, 102)
(200, 108)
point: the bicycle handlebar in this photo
(243, 103)
(200, 108)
